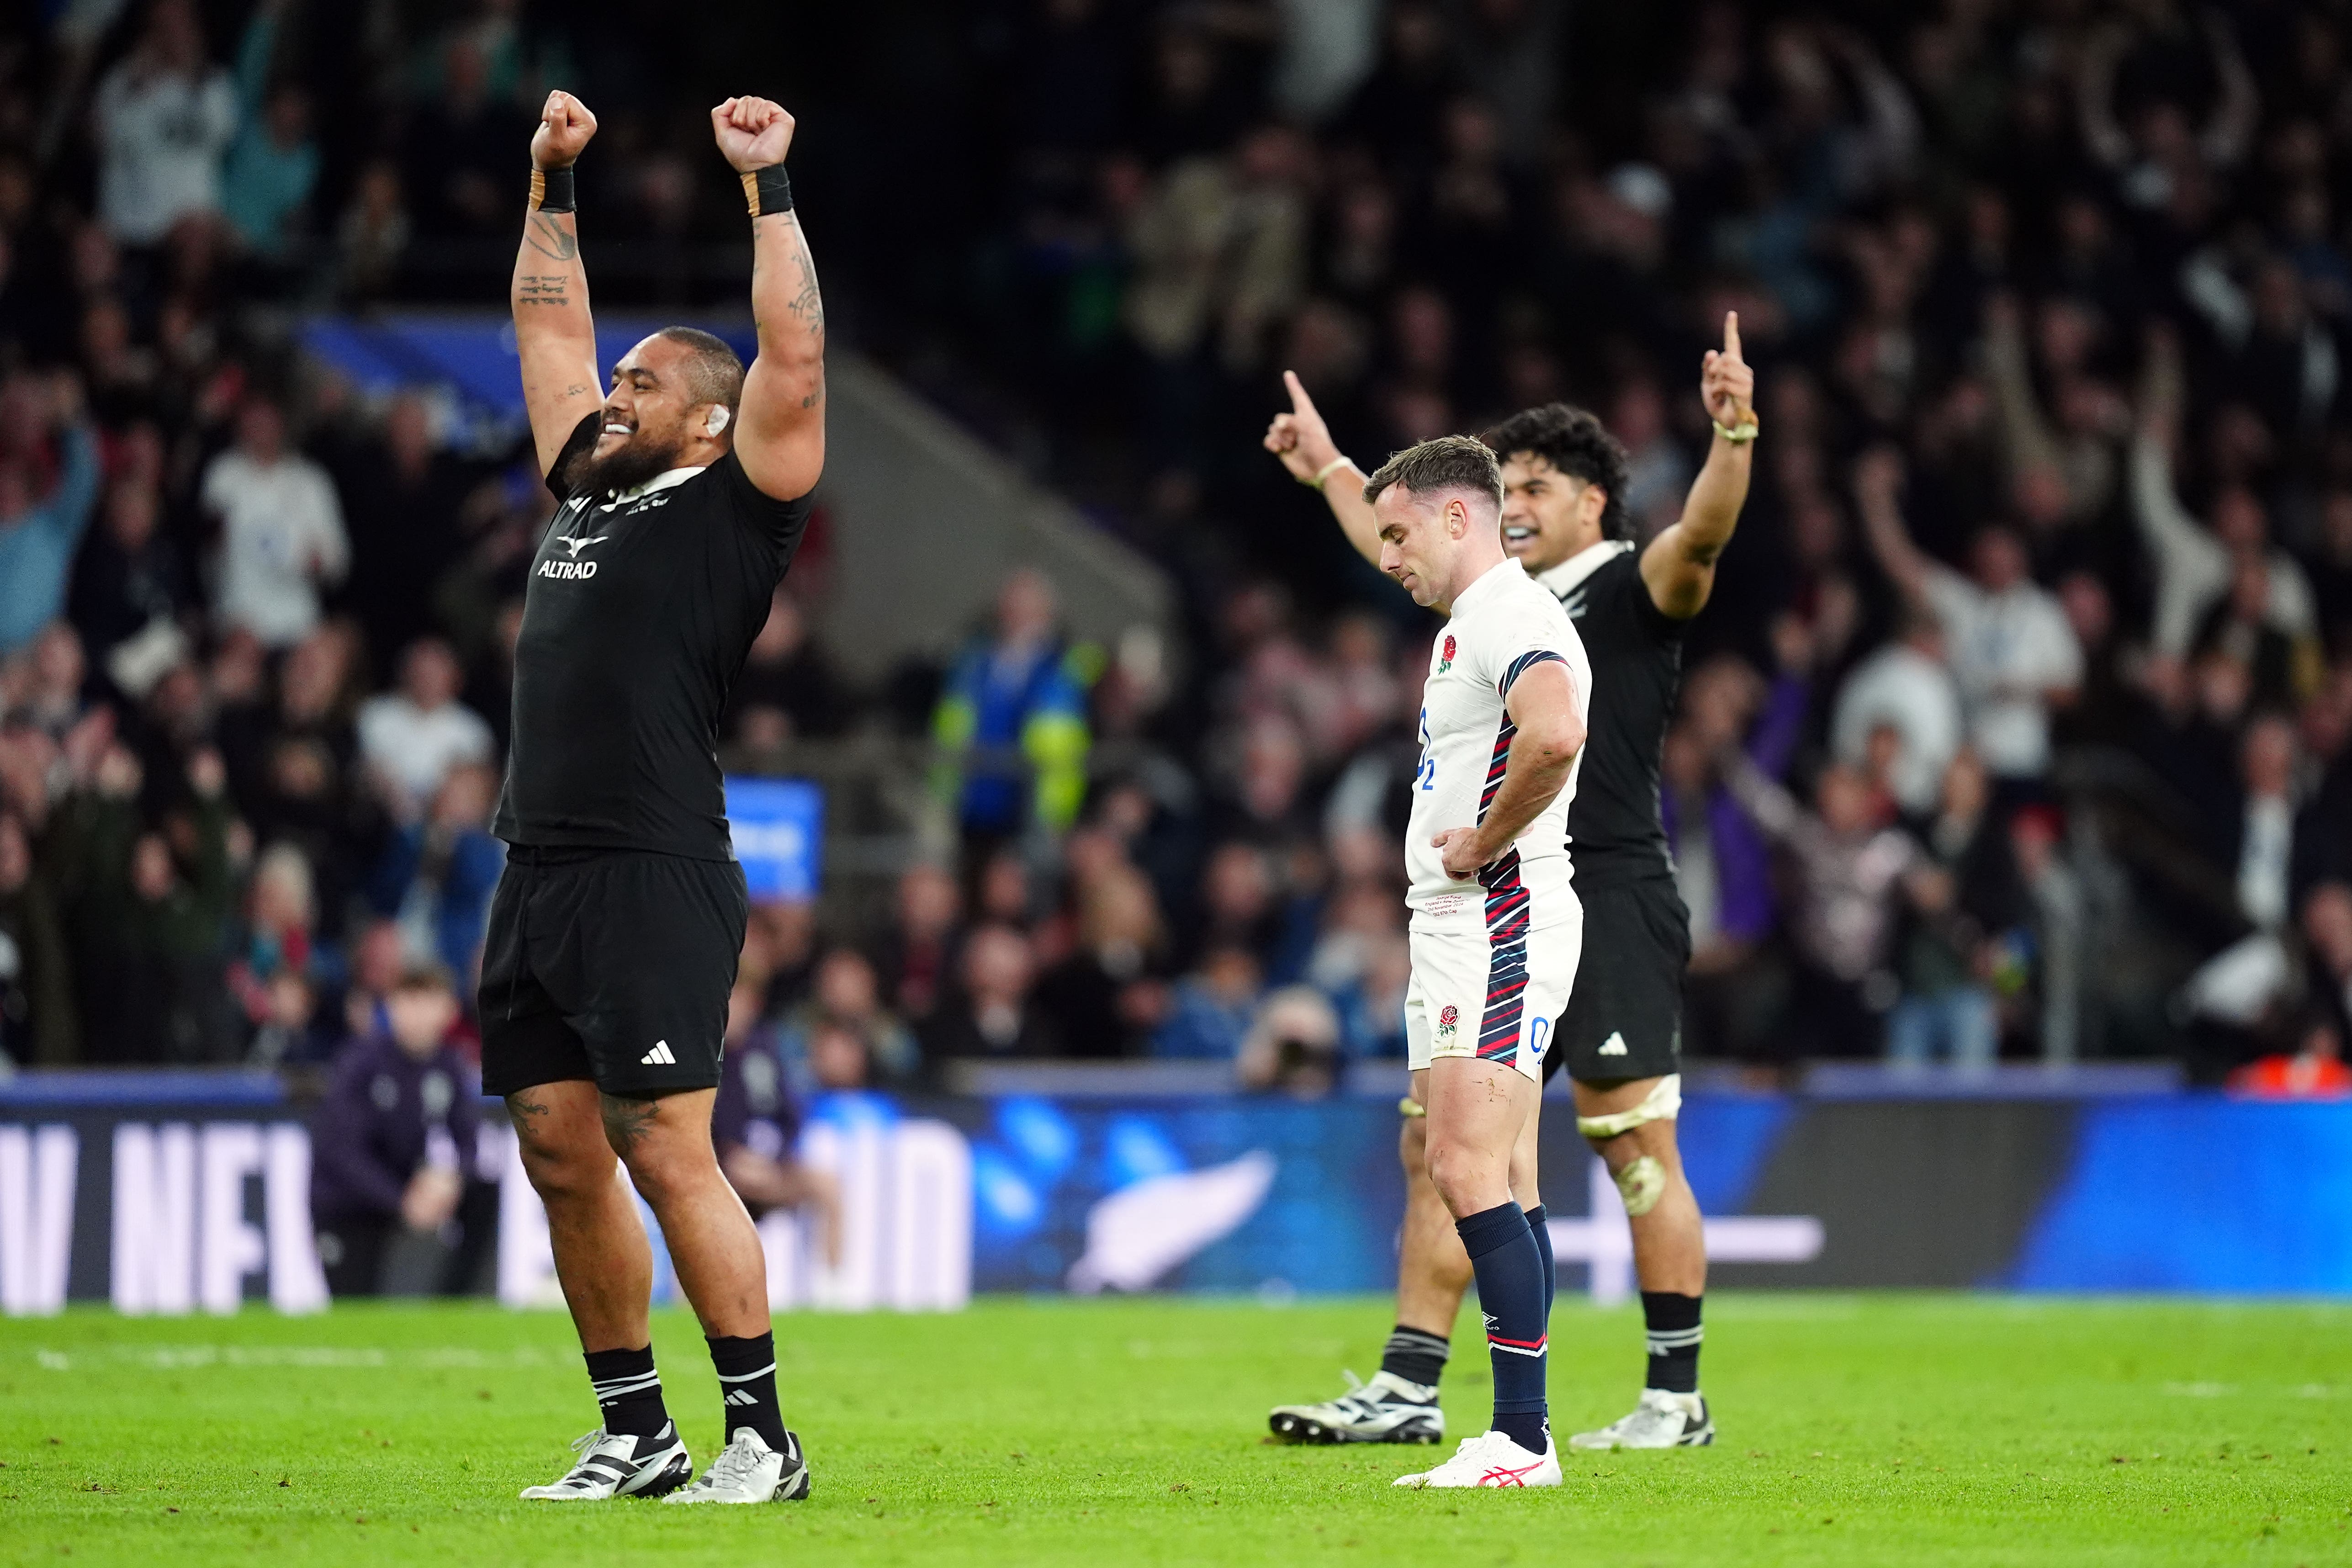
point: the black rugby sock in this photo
(1672, 1322)
(746, 1386)
(629, 1391)
(1414, 1356)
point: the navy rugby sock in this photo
(1509, 1270)
(1541, 1223)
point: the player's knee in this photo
(1456, 1169)
(1413, 1145)
(557, 1171)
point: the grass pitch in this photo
(1855, 1430)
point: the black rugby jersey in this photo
(1613, 826)
(640, 610)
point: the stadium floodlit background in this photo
(1067, 772)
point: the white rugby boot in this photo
(748, 1471)
(1386, 1410)
(1490, 1459)
(1662, 1420)
(615, 1465)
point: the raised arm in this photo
(780, 438)
(1303, 442)
(553, 336)
(1877, 478)
(1678, 567)
(1542, 706)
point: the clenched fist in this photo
(564, 127)
(751, 132)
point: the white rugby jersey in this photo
(1503, 623)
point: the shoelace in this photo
(581, 1445)
(733, 1467)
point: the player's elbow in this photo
(1553, 741)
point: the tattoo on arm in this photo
(543, 289)
(808, 304)
(626, 1122)
(545, 236)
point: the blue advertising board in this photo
(778, 826)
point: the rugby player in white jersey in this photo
(1495, 926)
(1620, 1039)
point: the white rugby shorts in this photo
(1492, 981)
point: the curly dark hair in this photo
(1574, 441)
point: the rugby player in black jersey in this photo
(1621, 1037)
(613, 935)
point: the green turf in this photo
(1855, 1430)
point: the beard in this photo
(626, 467)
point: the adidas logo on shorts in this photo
(659, 1057)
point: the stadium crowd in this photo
(2019, 726)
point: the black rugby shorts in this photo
(609, 965)
(1625, 1018)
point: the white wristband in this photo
(1328, 469)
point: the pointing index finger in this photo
(1731, 334)
(1300, 403)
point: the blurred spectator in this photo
(1012, 722)
(280, 937)
(1905, 687)
(916, 956)
(1291, 1046)
(394, 1137)
(129, 581)
(994, 1016)
(165, 115)
(404, 497)
(437, 873)
(1964, 898)
(756, 1126)
(2012, 653)
(2194, 566)
(39, 533)
(373, 234)
(787, 687)
(411, 739)
(273, 164)
(36, 1005)
(456, 161)
(845, 992)
(1848, 873)
(281, 529)
(1211, 1012)
(1108, 995)
(151, 925)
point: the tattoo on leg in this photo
(527, 1115)
(625, 1121)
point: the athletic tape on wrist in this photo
(767, 190)
(551, 189)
